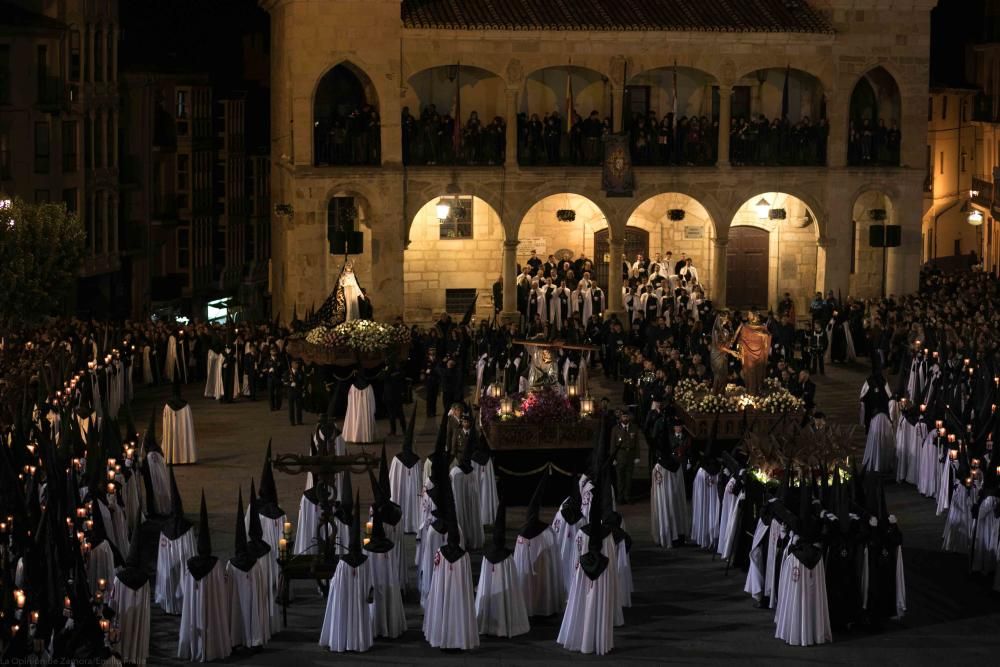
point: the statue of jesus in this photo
(754, 343)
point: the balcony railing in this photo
(982, 192)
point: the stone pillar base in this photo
(508, 317)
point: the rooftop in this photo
(789, 16)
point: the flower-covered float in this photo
(733, 410)
(335, 335)
(794, 455)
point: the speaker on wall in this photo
(347, 243)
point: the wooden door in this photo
(747, 267)
(636, 243)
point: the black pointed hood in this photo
(355, 555)
(407, 456)
(345, 507)
(328, 421)
(379, 542)
(99, 533)
(199, 566)
(133, 575)
(452, 549)
(267, 494)
(533, 525)
(383, 475)
(257, 546)
(149, 439)
(242, 559)
(571, 509)
(177, 524)
(498, 552)
(176, 401)
(390, 512)
(594, 563)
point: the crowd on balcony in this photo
(869, 144)
(351, 139)
(431, 139)
(757, 141)
(691, 141)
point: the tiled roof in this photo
(670, 15)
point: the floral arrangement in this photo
(545, 406)
(697, 397)
(360, 335)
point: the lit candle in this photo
(3, 527)
(111, 475)
(923, 407)
(111, 463)
(102, 584)
(111, 489)
(953, 454)
(282, 547)
(19, 598)
(951, 437)
(105, 625)
(34, 617)
(14, 629)
(366, 541)
(67, 603)
(288, 528)
(368, 527)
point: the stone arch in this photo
(483, 91)
(865, 277)
(812, 203)
(434, 262)
(875, 96)
(416, 200)
(694, 88)
(340, 91)
(524, 204)
(767, 84)
(793, 248)
(544, 90)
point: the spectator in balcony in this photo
(430, 126)
(408, 125)
(665, 139)
(472, 139)
(576, 139)
(495, 141)
(446, 140)
(853, 144)
(534, 140)
(592, 138)
(553, 137)
(822, 136)
(867, 138)
(893, 141)
(880, 154)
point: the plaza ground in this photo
(685, 609)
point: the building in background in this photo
(59, 124)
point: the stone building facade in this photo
(821, 58)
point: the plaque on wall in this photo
(693, 232)
(617, 179)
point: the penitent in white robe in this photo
(450, 612)
(161, 484)
(705, 510)
(398, 553)
(100, 565)
(204, 632)
(359, 422)
(669, 515)
(308, 527)
(171, 561)
(250, 605)
(758, 567)
(929, 473)
(879, 445)
(132, 620)
(178, 436)
(465, 488)
(803, 617)
(588, 622)
(985, 546)
(957, 535)
(488, 500)
(387, 615)
(406, 491)
(347, 625)
(564, 536)
(500, 608)
(427, 551)
(213, 384)
(539, 573)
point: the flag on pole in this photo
(456, 138)
(675, 92)
(569, 102)
(784, 95)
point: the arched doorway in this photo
(873, 134)
(431, 132)
(346, 124)
(747, 260)
(636, 243)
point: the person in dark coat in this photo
(294, 382)
(432, 381)
(393, 390)
(274, 370)
(498, 295)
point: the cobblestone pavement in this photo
(685, 610)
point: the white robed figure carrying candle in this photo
(670, 519)
(205, 617)
(178, 430)
(388, 617)
(450, 613)
(537, 562)
(129, 599)
(250, 599)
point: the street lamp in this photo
(443, 209)
(763, 208)
(975, 217)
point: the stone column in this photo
(615, 306)
(510, 159)
(725, 114)
(836, 140)
(88, 55)
(719, 269)
(509, 264)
